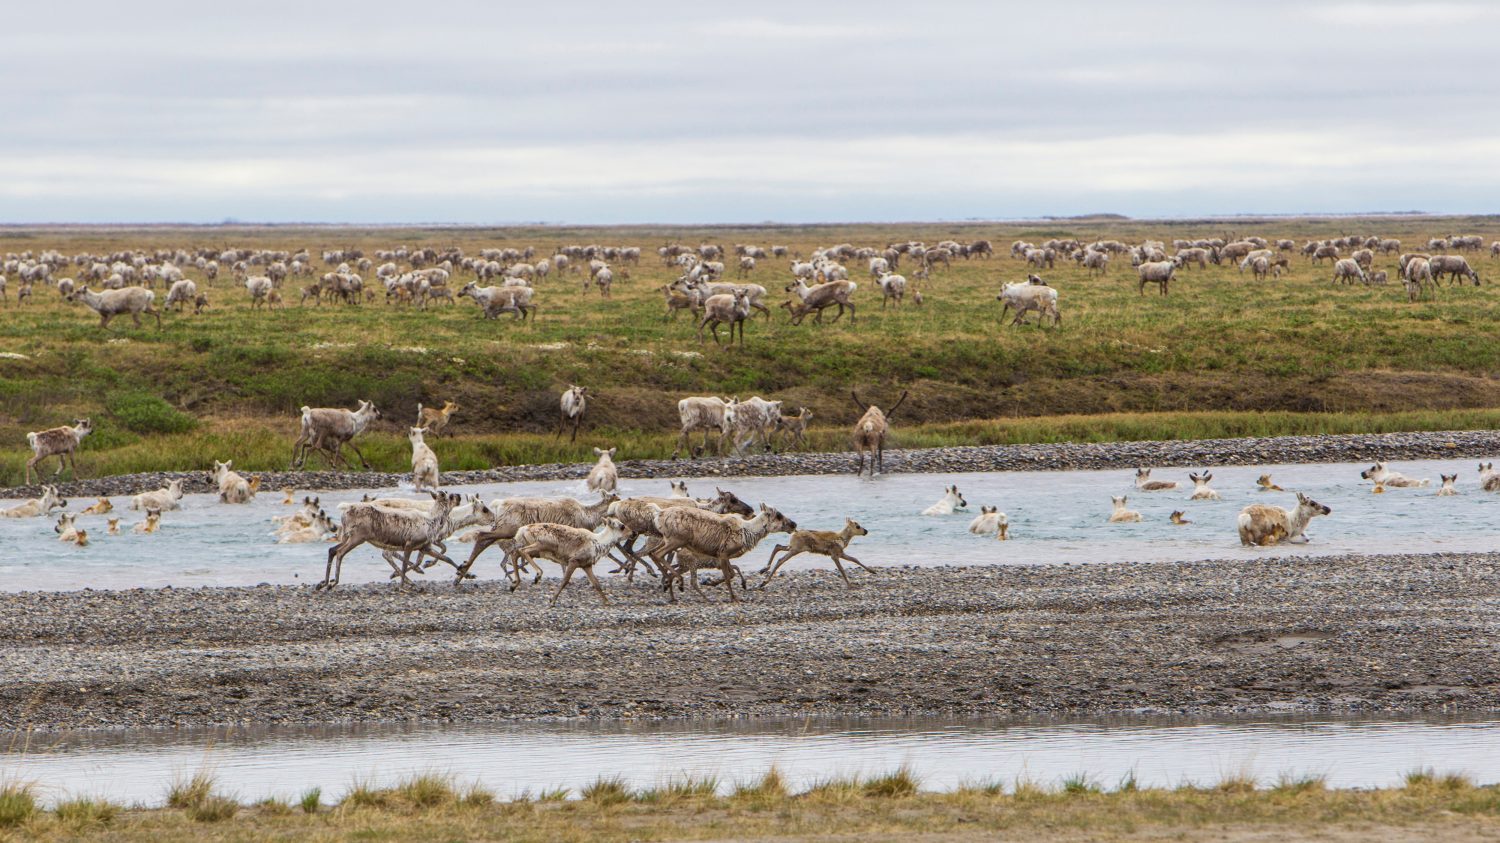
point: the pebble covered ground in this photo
(1278, 634)
(1047, 457)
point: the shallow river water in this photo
(1056, 517)
(139, 766)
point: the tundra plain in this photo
(1222, 355)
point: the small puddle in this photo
(1271, 642)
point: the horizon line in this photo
(966, 221)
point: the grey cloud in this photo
(781, 110)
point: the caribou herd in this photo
(671, 537)
(509, 280)
(681, 533)
(668, 538)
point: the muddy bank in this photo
(1465, 444)
(1334, 633)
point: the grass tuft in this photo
(689, 787)
(273, 806)
(185, 793)
(684, 787)
(982, 787)
(1426, 777)
(654, 796)
(556, 794)
(768, 788)
(311, 801)
(1027, 788)
(1287, 783)
(1079, 783)
(1419, 777)
(1455, 781)
(606, 790)
(17, 804)
(1241, 782)
(83, 812)
(428, 790)
(475, 796)
(895, 784)
(364, 795)
(836, 789)
(213, 809)
(196, 798)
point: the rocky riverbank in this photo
(1187, 453)
(1333, 633)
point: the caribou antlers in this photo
(892, 412)
(863, 407)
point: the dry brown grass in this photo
(885, 807)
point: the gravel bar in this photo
(1276, 634)
(1198, 453)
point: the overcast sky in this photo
(456, 111)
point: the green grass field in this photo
(1222, 355)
